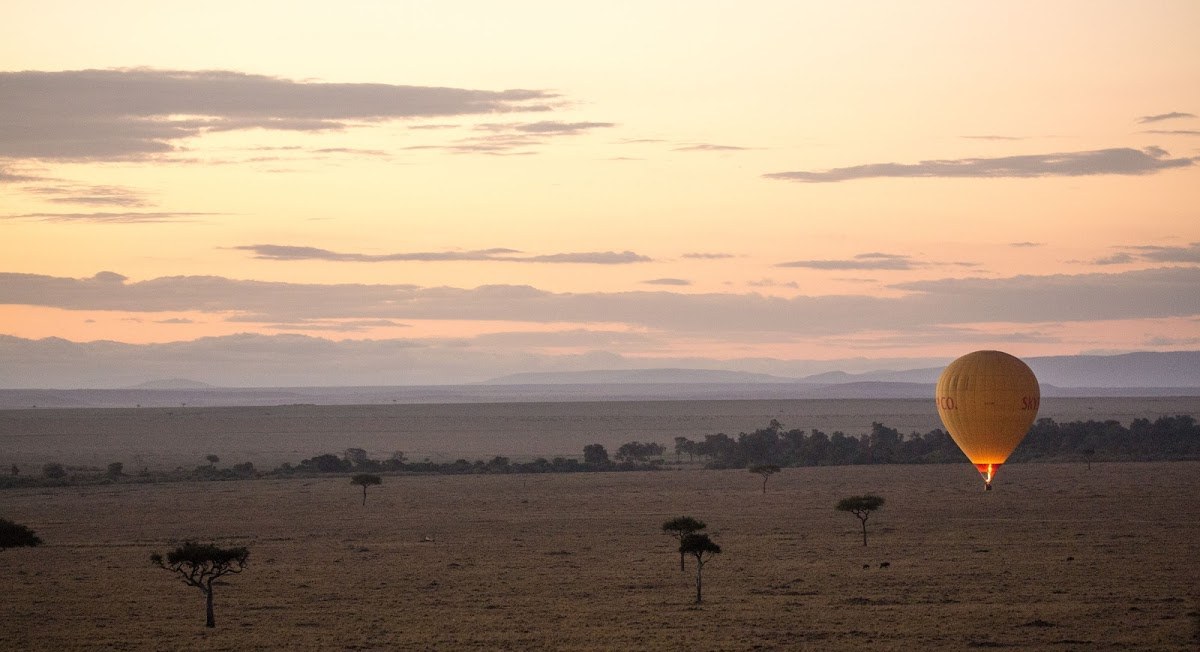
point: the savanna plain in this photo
(1058, 557)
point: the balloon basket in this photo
(988, 471)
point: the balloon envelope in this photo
(988, 400)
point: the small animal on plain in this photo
(885, 564)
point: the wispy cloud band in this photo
(287, 252)
(1121, 160)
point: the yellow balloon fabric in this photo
(988, 400)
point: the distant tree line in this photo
(1166, 438)
(633, 456)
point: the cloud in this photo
(1151, 253)
(8, 176)
(1174, 132)
(350, 150)
(110, 218)
(140, 112)
(707, 255)
(90, 195)
(992, 137)
(709, 147)
(559, 128)
(1188, 254)
(1115, 259)
(175, 320)
(508, 139)
(1159, 292)
(286, 252)
(1026, 244)
(772, 283)
(667, 281)
(873, 260)
(1063, 164)
(1174, 115)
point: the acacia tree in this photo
(861, 506)
(699, 545)
(15, 535)
(766, 471)
(365, 480)
(200, 564)
(680, 527)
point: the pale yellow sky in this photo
(933, 163)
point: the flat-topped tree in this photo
(200, 564)
(861, 506)
(702, 548)
(766, 471)
(15, 535)
(679, 527)
(365, 480)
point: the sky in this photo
(280, 193)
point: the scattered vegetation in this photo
(54, 470)
(200, 565)
(680, 527)
(703, 549)
(861, 506)
(766, 471)
(15, 535)
(365, 480)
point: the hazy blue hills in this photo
(1132, 374)
(1130, 370)
(638, 376)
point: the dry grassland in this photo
(1055, 559)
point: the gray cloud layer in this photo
(1161, 292)
(110, 217)
(872, 260)
(285, 252)
(1153, 253)
(1174, 115)
(114, 114)
(1063, 164)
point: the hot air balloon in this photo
(988, 400)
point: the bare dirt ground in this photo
(1055, 558)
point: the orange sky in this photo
(547, 185)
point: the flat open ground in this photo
(1056, 558)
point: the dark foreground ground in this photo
(1055, 558)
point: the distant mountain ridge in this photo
(1129, 370)
(637, 376)
(1171, 374)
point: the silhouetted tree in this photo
(766, 471)
(861, 506)
(635, 451)
(365, 480)
(595, 455)
(200, 564)
(699, 545)
(679, 527)
(212, 459)
(115, 470)
(15, 535)
(54, 470)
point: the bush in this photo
(54, 470)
